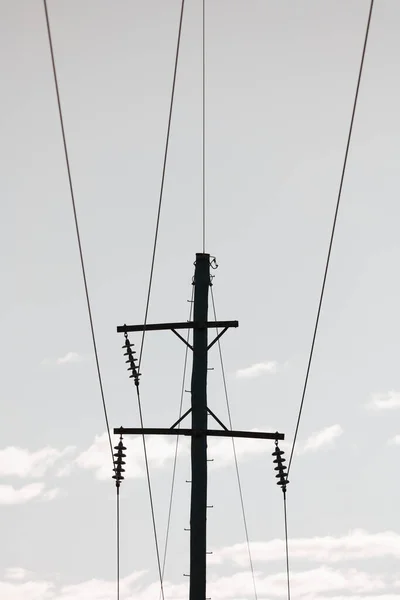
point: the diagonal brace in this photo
(181, 418)
(182, 338)
(221, 333)
(210, 412)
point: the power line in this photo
(177, 443)
(118, 543)
(332, 233)
(235, 456)
(78, 236)
(164, 168)
(149, 292)
(153, 516)
(204, 125)
(286, 545)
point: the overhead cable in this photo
(177, 443)
(246, 531)
(286, 545)
(339, 196)
(204, 123)
(164, 169)
(78, 235)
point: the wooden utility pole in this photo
(200, 411)
(198, 508)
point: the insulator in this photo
(127, 344)
(281, 468)
(120, 448)
(131, 360)
(118, 462)
(278, 452)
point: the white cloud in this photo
(160, 450)
(65, 470)
(21, 462)
(99, 589)
(356, 545)
(258, 369)
(394, 441)
(49, 495)
(68, 358)
(11, 495)
(16, 573)
(306, 585)
(386, 401)
(324, 437)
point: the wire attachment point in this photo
(213, 262)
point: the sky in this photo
(280, 83)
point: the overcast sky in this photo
(281, 78)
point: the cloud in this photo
(322, 438)
(29, 590)
(70, 357)
(51, 494)
(304, 584)
(316, 584)
(394, 441)
(258, 369)
(16, 573)
(386, 401)
(65, 470)
(21, 462)
(10, 495)
(356, 545)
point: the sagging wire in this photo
(177, 440)
(335, 218)
(283, 481)
(133, 368)
(214, 265)
(164, 170)
(76, 222)
(161, 194)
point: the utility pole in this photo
(200, 411)
(198, 509)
